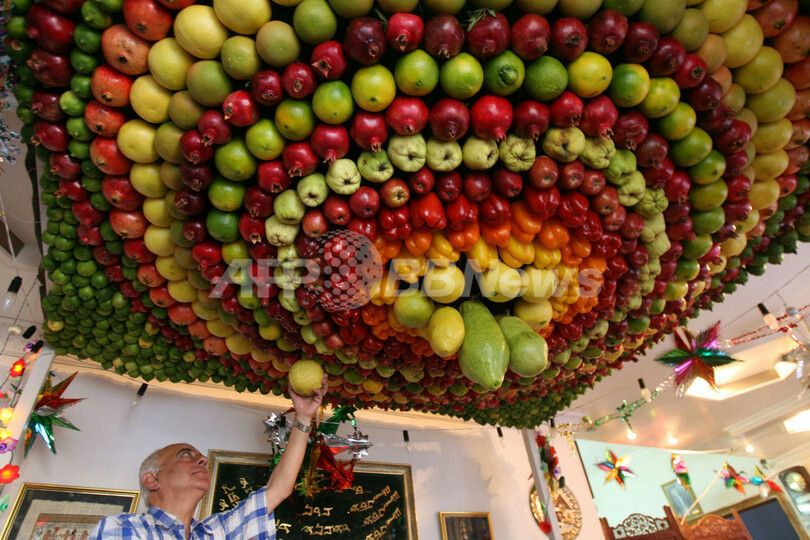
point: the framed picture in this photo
(465, 526)
(380, 503)
(45, 511)
(680, 499)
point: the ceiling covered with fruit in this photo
(477, 209)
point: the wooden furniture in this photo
(711, 527)
(641, 527)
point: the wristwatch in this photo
(300, 425)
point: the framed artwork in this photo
(47, 511)
(380, 503)
(680, 499)
(465, 526)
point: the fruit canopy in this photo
(474, 209)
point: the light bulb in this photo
(673, 441)
(631, 435)
(645, 392)
(749, 448)
(138, 396)
(768, 317)
(15, 330)
(11, 294)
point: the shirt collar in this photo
(168, 521)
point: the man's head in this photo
(175, 471)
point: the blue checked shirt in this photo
(249, 520)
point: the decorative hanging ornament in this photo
(680, 470)
(48, 413)
(765, 484)
(616, 468)
(733, 479)
(9, 473)
(696, 357)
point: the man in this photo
(175, 478)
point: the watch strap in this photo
(300, 425)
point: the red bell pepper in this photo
(573, 209)
(366, 227)
(419, 241)
(427, 212)
(494, 209)
(542, 202)
(466, 238)
(461, 213)
(497, 235)
(591, 229)
(395, 222)
(607, 246)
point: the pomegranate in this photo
(251, 228)
(330, 142)
(194, 230)
(531, 119)
(369, 131)
(449, 119)
(607, 31)
(120, 193)
(364, 41)
(598, 116)
(776, 16)
(487, 34)
(110, 87)
(328, 60)
(272, 177)
(265, 87)
(651, 150)
(566, 110)
(103, 120)
(691, 73)
(735, 163)
(87, 214)
(404, 31)
(64, 6)
(72, 189)
(45, 105)
(258, 202)
(190, 203)
(407, 115)
(65, 166)
(147, 19)
(530, 35)
(706, 95)
(125, 51)
(213, 128)
(641, 41)
(51, 30)
(491, 117)
(444, 36)
(568, 38)
(196, 176)
(298, 80)
(657, 175)
(630, 129)
(667, 58)
(299, 159)
(91, 236)
(128, 224)
(52, 70)
(717, 120)
(239, 109)
(106, 155)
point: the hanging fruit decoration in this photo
(474, 209)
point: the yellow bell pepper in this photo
(558, 308)
(545, 258)
(384, 291)
(482, 256)
(517, 254)
(441, 251)
(409, 267)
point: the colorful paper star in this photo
(680, 470)
(616, 468)
(733, 478)
(9, 473)
(765, 484)
(48, 414)
(696, 356)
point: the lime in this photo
(504, 74)
(708, 169)
(462, 76)
(629, 86)
(226, 195)
(662, 98)
(691, 149)
(546, 78)
(416, 73)
(306, 376)
(678, 123)
(413, 309)
(295, 119)
(589, 74)
(373, 88)
(332, 102)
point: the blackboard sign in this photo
(379, 505)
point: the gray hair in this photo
(149, 465)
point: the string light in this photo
(11, 294)
(768, 317)
(645, 392)
(15, 330)
(5, 415)
(138, 395)
(407, 439)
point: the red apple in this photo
(593, 182)
(543, 173)
(477, 186)
(337, 210)
(606, 202)
(395, 193)
(448, 186)
(633, 226)
(571, 175)
(507, 184)
(365, 202)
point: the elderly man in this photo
(175, 478)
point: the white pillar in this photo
(540, 483)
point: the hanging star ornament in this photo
(733, 479)
(765, 484)
(696, 357)
(681, 471)
(48, 414)
(616, 468)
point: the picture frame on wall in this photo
(680, 499)
(466, 526)
(43, 510)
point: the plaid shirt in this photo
(248, 520)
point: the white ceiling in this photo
(698, 424)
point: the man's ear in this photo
(150, 481)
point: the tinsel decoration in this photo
(551, 470)
(48, 414)
(765, 484)
(696, 357)
(733, 479)
(681, 471)
(616, 468)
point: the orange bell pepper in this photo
(418, 241)
(580, 246)
(373, 315)
(466, 238)
(554, 234)
(388, 249)
(497, 236)
(525, 219)
(568, 257)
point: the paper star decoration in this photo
(696, 356)
(616, 468)
(680, 470)
(733, 478)
(766, 485)
(48, 413)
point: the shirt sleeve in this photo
(248, 519)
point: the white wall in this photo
(456, 467)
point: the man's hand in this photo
(307, 407)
